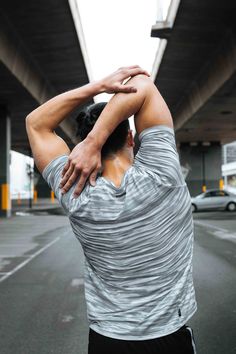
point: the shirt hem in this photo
(145, 337)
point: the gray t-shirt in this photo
(138, 242)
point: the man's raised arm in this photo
(148, 108)
(41, 123)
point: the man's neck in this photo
(115, 167)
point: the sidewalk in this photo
(44, 204)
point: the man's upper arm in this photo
(45, 146)
(154, 125)
(154, 110)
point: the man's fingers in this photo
(70, 181)
(131, 71)
(80, 185)
(126, 89)
(129, 67)
(66, 176)
(138, 71)
(67, 165)
(92, 178)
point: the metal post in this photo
(203, 172)
(5, 159)
(30, 183)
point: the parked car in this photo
(214, 199)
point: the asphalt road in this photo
(214, 323)
(42, 307)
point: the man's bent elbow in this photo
(28, 121)
(141, 81)
(32, 122)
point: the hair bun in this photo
(87, 118)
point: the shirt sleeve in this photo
(52, 175)
(158, 154)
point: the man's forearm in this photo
(88, 152)
(119, 108)
(146, 104)
(50, 114)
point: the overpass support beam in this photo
(5, 145)
(210, 79)
(15, 55)
(202, 165)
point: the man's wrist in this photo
(98, 137)
(94, 140)
(99, 87)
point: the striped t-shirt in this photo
(137, 241)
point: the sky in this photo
(117, 33)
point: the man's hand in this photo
(85, 158)
(113, 83)
(84, 161)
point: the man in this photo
(134, 221)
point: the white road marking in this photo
(76, 282)
(22, 264)
(67, 318)
(226, 235)
(17, 244)
(13, 256)
(16, 237)
(201, 223)
(219, 232)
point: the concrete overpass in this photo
(40, 56)
(195, 70)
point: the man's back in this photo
(137, 241)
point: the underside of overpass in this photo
(197, 74)
(40, 56)
(197, 78)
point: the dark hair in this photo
(86, 120)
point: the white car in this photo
(214, 199)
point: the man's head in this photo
(118, 140)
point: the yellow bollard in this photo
(5, 197)
(18, 199)
(35, 196)
(204, 188)
(52, 197)
(221, 184)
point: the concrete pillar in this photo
(203, 164)
(5, 145)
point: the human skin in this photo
(41, 123)
(149, 109)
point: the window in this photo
(218, 194)
(207, 195)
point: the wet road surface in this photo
(42, 306)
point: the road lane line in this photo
(22, 264)
(197, 222)
(4, 273)
(16, 237)
(13, 256)
(17, 244)
(218, 232)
